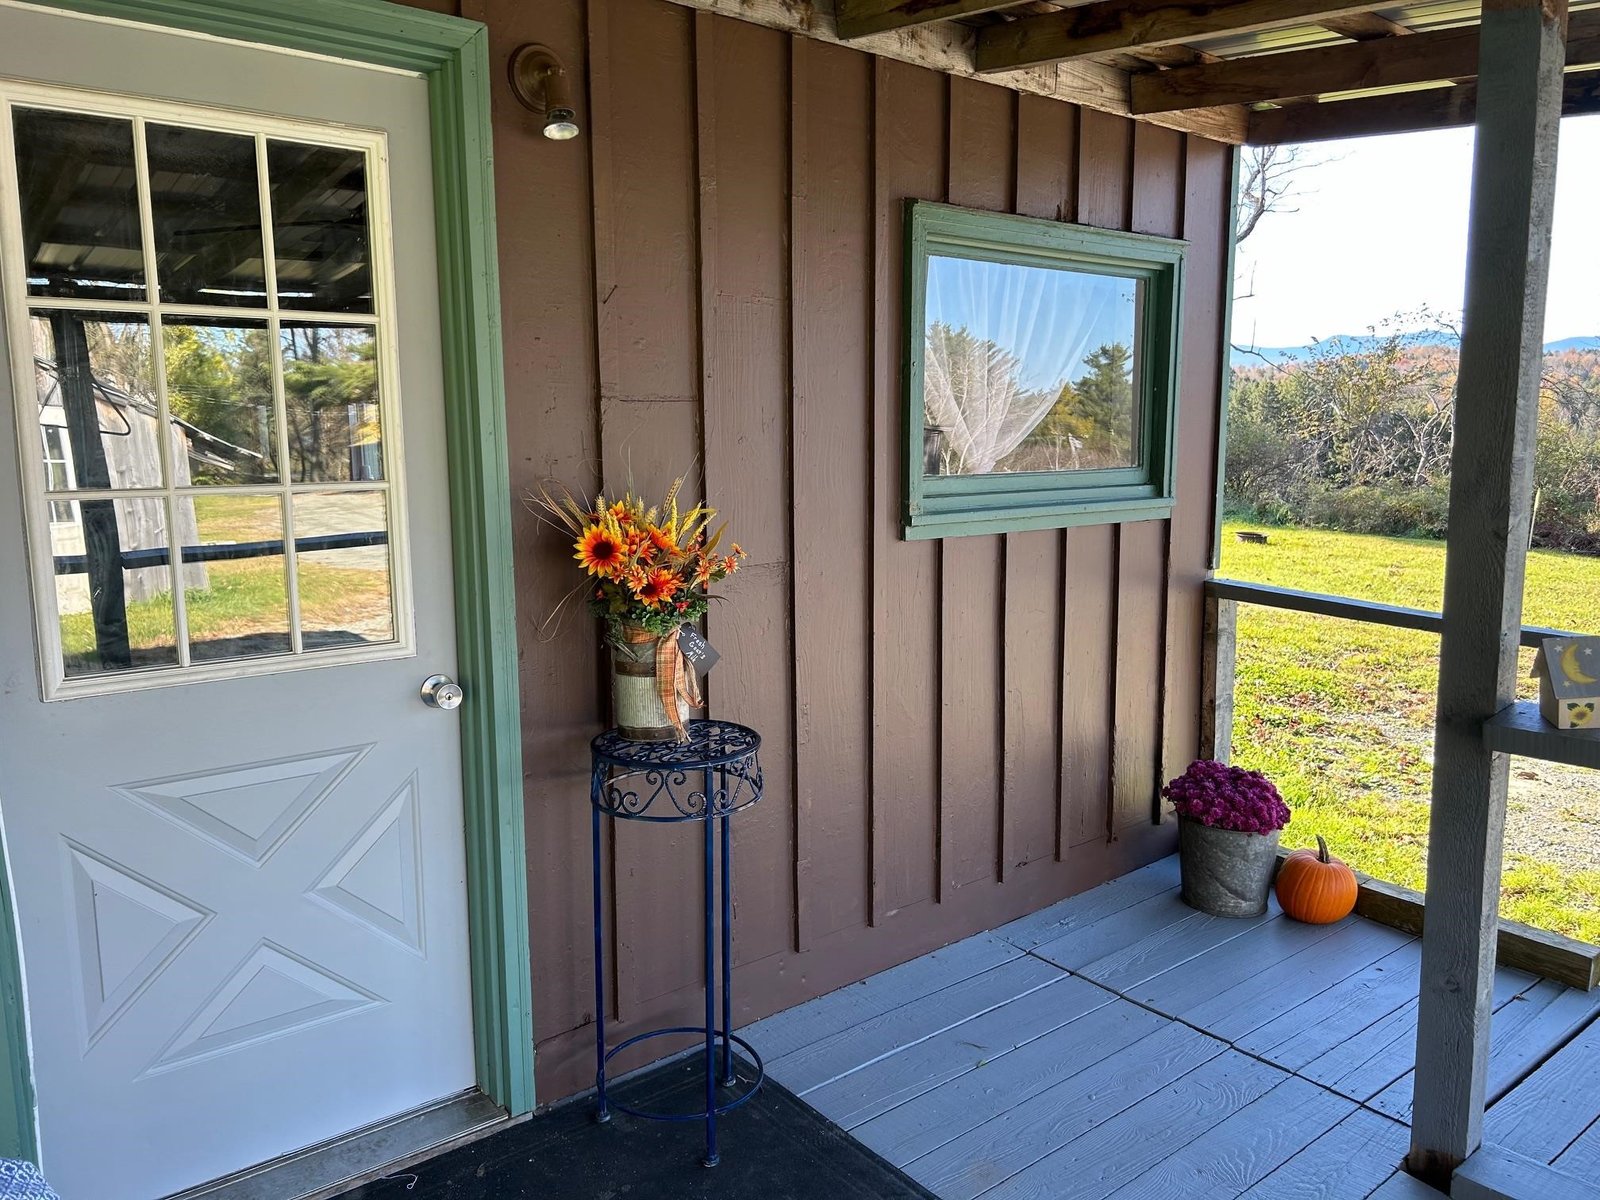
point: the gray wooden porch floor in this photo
(1120, 1044)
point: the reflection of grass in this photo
(1340, 714)
(238, 518)
(247, 597)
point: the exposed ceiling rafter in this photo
(1381, 63)
(1123, 25)
(1408, 112)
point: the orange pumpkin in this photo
(1316, 888)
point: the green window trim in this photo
(452, 54)
(957, 505)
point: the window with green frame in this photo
(1041, 373)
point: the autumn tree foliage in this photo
(1356, 434)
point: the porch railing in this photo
(1519, 729)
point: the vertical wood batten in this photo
(831, 257)
(648, 319)
(741, 71)
(909, 124)
(1105, 199)
(1521, 57)
(1155, 207)
(981, 143)
(548, 286)
(1207, 211)
(1046, 168)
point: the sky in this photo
(1381, 228)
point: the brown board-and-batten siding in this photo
(709, 281)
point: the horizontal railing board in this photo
(1348, 609)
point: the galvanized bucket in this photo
(635, 696)
(1226, 873)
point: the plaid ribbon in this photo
(675, 681)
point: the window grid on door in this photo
(52, 478)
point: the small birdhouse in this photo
(1569, 682)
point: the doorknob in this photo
(440, 691)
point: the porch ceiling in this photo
(1258, 71)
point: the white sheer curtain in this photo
(1001, 342)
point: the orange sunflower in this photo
(657, 587)
(600, 552)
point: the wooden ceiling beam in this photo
(1121, 25)
(948, 47)
(1381, 63)
(1407, 112)
(859, 18)
(1363, 26)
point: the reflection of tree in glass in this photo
(1090, 425)
(973, 395)
(219, 381)
(330, 384)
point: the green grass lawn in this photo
(1340, 714)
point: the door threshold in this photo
(358, 1157)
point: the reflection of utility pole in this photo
(102, 546)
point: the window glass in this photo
(319, 227)
(330, 393)
(235, 585)
(80, 206)
(219, 396)
(1041, 381)
(341, 542)
(1028, 368)
(205, 204)
(211, 480)
(114, 587)
(95, 388)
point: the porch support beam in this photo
(1124, 25)
(1436, 108)
(1379, 63)
(1508, 259)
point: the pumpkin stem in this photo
(1322, 849)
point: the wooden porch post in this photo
(1508, 252)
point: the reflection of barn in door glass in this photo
(210, 392)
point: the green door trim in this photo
(453, 55)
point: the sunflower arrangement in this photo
(649, 567)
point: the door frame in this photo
(452, 54)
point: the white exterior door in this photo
(235, 830)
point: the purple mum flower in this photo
(1225, 797)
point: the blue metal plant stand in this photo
(707, 778)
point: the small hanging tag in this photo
(696, 649)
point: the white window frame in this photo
(373, 143)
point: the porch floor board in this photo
(1120, 1046)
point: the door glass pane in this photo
(114, 587)
(80, 205)
(95, 387)
(330, 395)
(1028, 369)
(319, 227)
(206, 206)
(235, 587)
(342, 559)
(219, 395)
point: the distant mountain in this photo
(1357, 342)
(1572, 343)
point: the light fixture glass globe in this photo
(561, 125)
